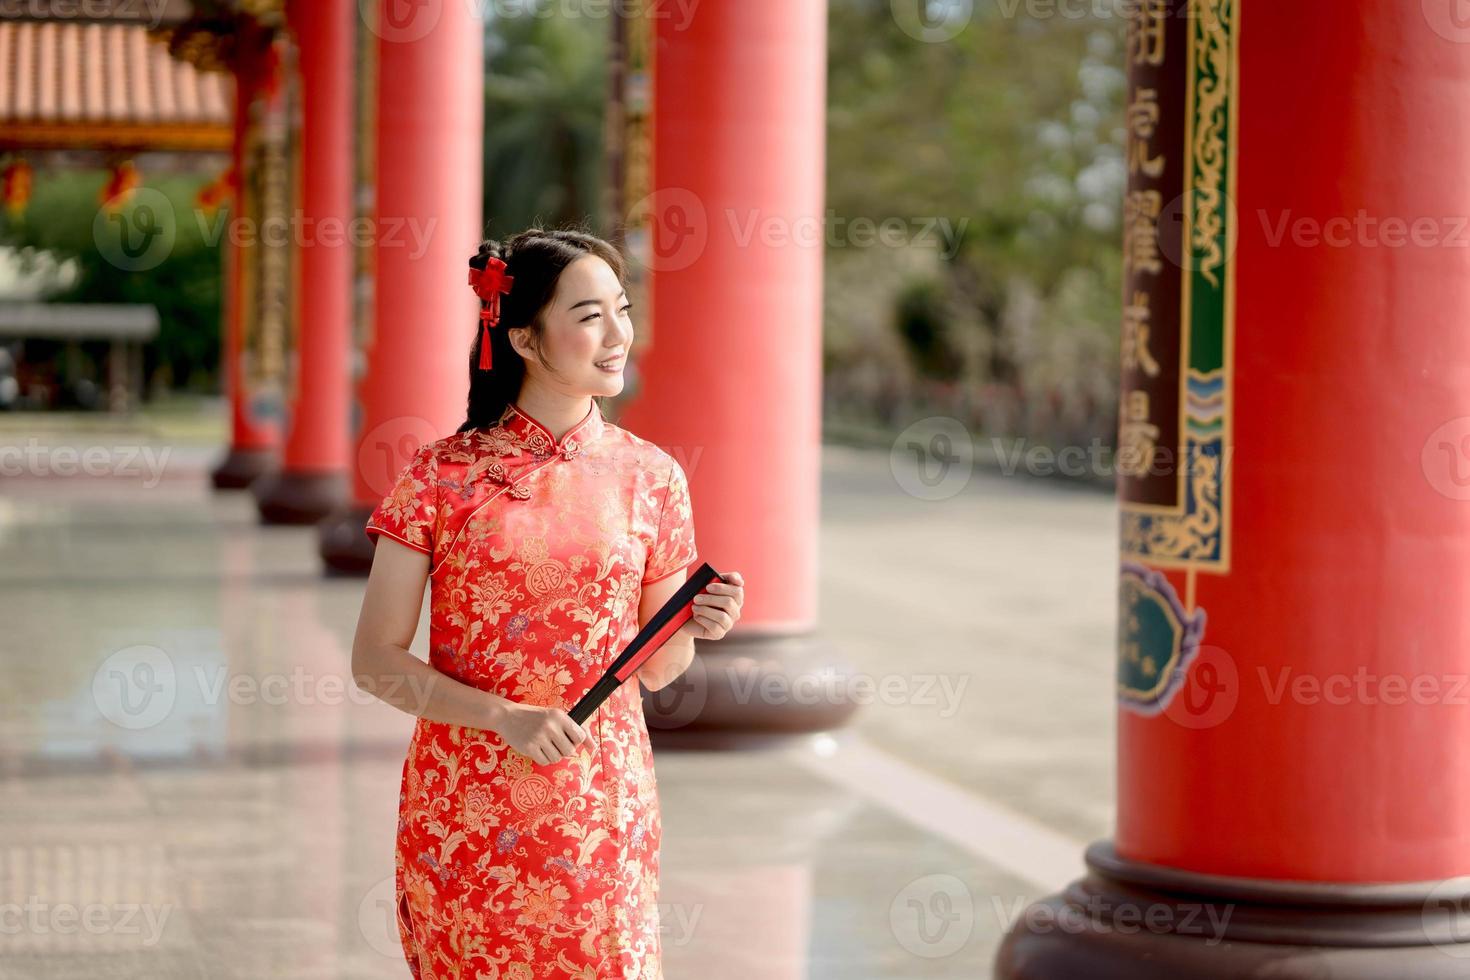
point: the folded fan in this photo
(660, 626)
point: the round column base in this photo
(751, 691)
(1131, 921)
(344, 546)
(241, 467)
(287, 497)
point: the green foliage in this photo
(60, 221)
(545, 88)
(923, 325)
(1012, 132)
(1008, 137)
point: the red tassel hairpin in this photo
(489, 283)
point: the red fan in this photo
(660, 626)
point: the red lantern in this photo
(217, 192)
(15, 187)
(120, 185)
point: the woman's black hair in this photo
(534, 259)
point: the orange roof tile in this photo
(75, 84)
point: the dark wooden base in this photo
(286, 497)
(749, 691)
(241, 467)
(1130, 921)
(344, 546)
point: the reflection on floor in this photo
(191, 787)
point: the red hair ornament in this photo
(489, 283)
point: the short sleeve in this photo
(409, 511)
(673, 547)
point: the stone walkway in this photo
(190, 787)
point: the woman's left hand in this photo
(717, 608)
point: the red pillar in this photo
(428, 152)
(1309, 773)
(731, 385)
(254, 440)
(312, 479)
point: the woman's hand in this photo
(717, 608)
(543, 735)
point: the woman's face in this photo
(586, 332)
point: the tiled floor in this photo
(239, 824)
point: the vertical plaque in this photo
(269, 256)
(630, 157)
(1178, 283)
(364, 203)
(1178, 308)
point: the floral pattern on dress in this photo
(539, 549)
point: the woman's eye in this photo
(624, 311)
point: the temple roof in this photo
(107, 86)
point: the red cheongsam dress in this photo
(538, 553)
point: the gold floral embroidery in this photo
(410, 509)
(509, 868)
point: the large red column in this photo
(1294, 724)
(254, 439)
(313, 475)
(428, 151)
(731, 385)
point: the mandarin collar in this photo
(523, 426)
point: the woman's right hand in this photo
(543, 735)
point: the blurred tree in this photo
(545, 86)
(924, 325)
(1009, 135)
(184, 286)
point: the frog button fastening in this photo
(520, 491)
(570, 450)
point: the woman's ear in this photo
(520, 340)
